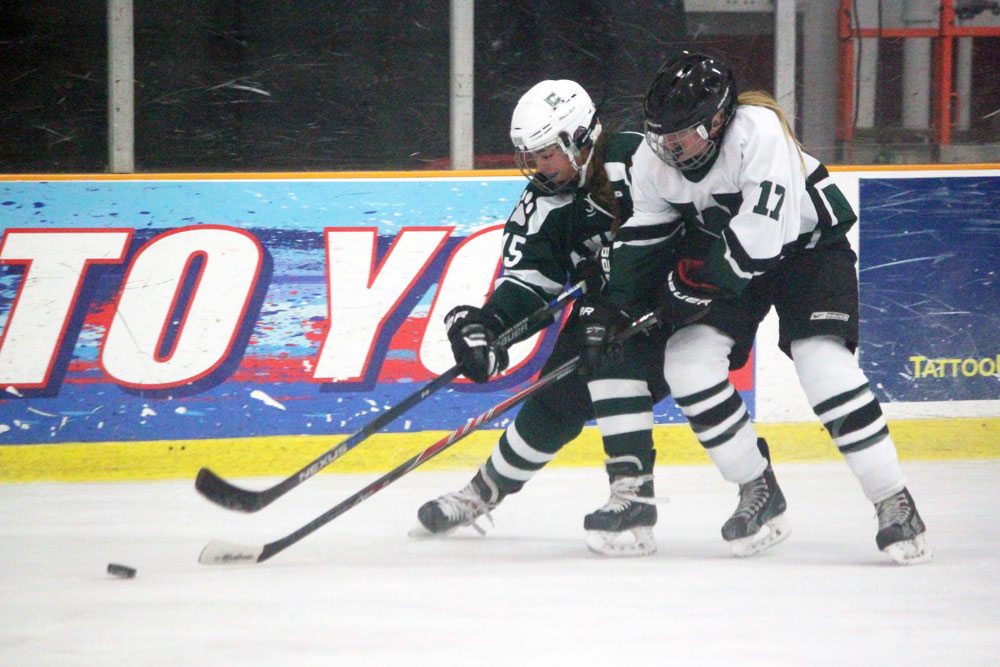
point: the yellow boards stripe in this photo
(925, 439)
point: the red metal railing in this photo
(943, 36)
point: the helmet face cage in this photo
(687, 109)
(527, 162)
(571, 147)
(686, 149)
(554, 115)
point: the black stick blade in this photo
(221, 492)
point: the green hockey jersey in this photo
(548, 236)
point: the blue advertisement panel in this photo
(930, 289)
(189, 309)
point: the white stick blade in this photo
(227, 553)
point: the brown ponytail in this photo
(599, 185)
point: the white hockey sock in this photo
(739, 460)
(840, 395)
(696, 366)
(877, 469)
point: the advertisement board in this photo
(930, 287)
(198, 307)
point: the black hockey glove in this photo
(595, 270)
(472, 334)
(686, 297)
(599, 322)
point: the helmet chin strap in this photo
(581, 170)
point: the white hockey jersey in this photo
(761, 199)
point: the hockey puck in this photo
(121, 571)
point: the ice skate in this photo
(459, 508)
(762, 506)
(901, 532)
(624, 526)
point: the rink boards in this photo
(153, 324)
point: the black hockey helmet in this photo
(687, 93)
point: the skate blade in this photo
(420, 533)
(910, 552)
(611, 544)
(778, 529)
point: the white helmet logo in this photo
(553, 99)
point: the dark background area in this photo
(260, 85)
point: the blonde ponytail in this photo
(759, 98)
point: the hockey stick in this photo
(227, 553)
(228, 495)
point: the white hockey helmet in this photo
(554, 113)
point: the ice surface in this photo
(360, 592)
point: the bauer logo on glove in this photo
(473, 336)
(599, 322)
(681, 295)
(685, 295)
